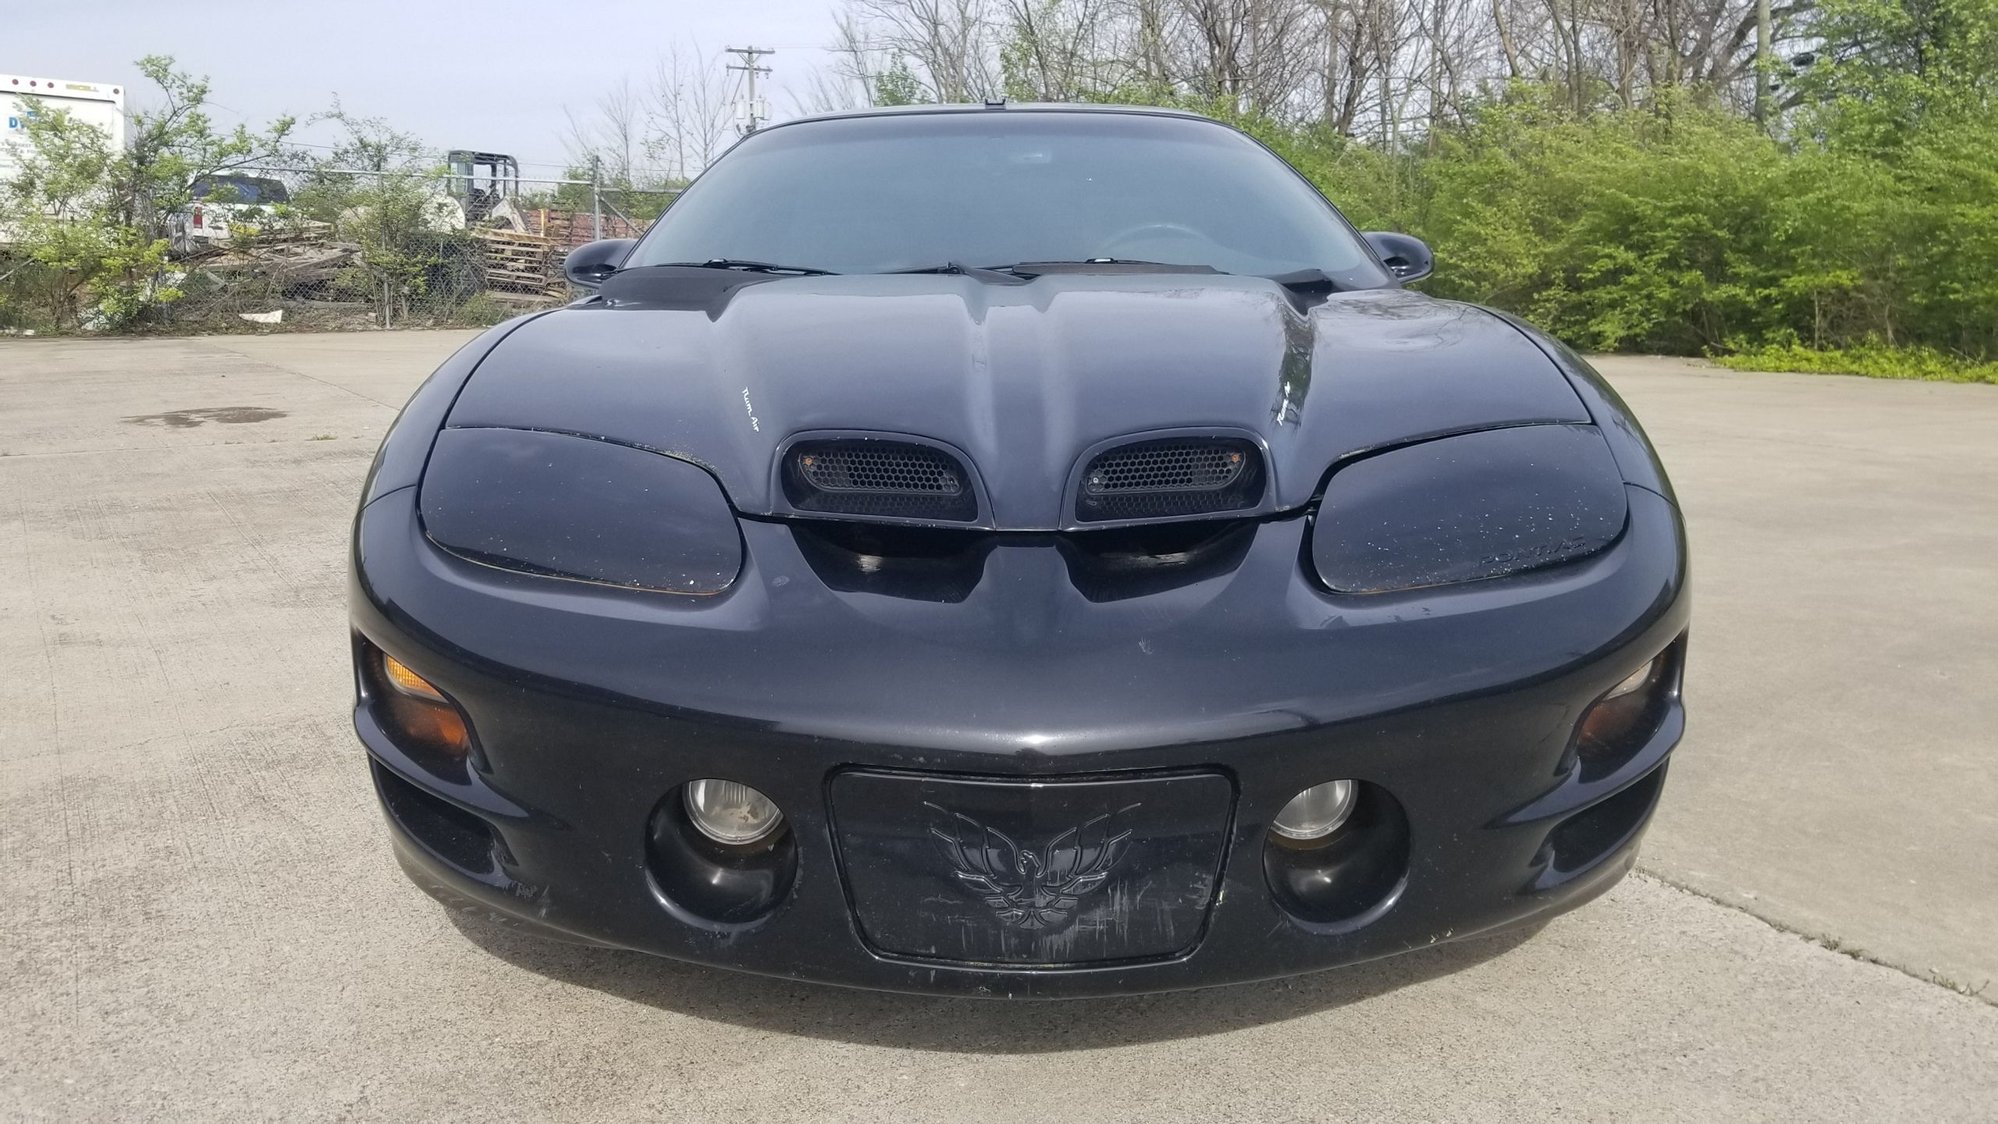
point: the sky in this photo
(494, 75)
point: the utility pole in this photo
(752, 114)
(1435, 76)
(1762, 37)
(596, 197)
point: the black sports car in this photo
(1016, 551)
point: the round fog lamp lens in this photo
(732, 813)
(1317, 811)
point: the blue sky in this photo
(492, 75)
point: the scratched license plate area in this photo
(1031, 873)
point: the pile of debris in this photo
(275, 280)
(287, 265)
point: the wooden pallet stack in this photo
(522, 263)
(570, 229)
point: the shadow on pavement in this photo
(961, 1025)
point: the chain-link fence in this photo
(337, 248)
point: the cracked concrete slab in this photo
(205, 921)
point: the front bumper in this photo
(592, 706)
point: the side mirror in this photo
(1405, 255)
(589, 264)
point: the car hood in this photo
(1021, 378)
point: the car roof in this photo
(999, 105)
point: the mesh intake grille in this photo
(890, 479)
(873, 468)
(1163, 467)
(1171, 477)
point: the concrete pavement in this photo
(1841, 773)
(204, 920)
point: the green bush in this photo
(1875, 360)
(1679, 227)
(480, 310)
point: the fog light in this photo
(1316, 812)
(731, 813)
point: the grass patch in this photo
(1872, 360)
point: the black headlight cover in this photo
(1458, 509)
(579, 508)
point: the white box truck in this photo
(22, 96)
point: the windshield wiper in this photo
(1106, 265)
(1001, 274)
(1022, 272)
(745, 266)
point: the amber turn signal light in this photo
(408, 682)
(419, 714)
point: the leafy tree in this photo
(898, 85)
(1885, 70)
(408, 229)
(94, 218)
(1896, 197)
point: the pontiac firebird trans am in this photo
(1015, 551)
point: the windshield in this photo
(240, 189)
(999, 187)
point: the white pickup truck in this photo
(225, 204)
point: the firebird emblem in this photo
(1031, 889)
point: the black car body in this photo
(1030, 596)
